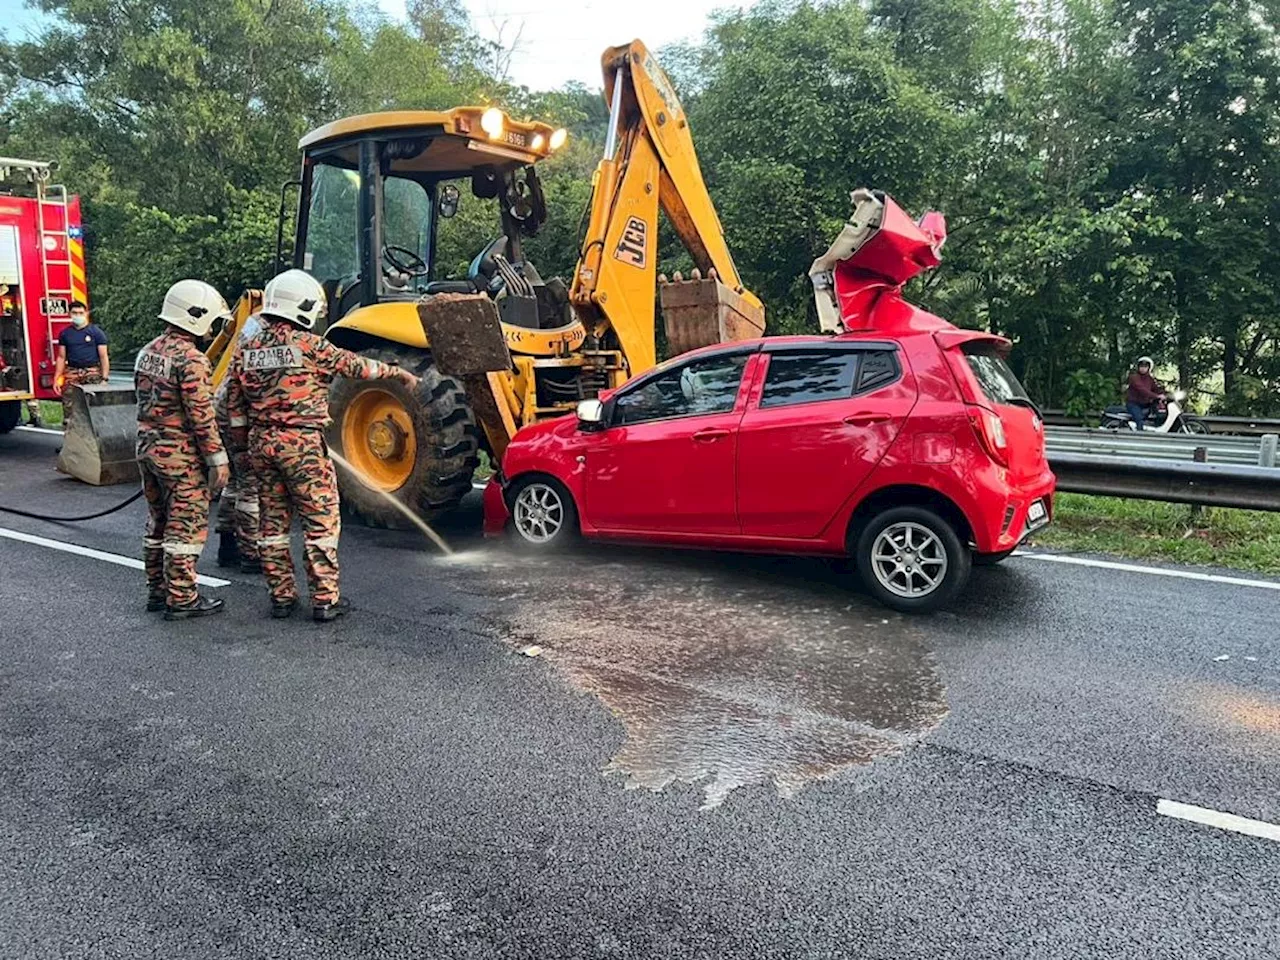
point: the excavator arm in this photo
(649, 163)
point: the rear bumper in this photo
(496, 514)
(1007, 527)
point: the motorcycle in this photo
(1166, 415)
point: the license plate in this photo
(1036, 513)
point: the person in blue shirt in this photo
(82, 356)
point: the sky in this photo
(559, 40)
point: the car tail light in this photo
(990, 430)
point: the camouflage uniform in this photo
(177, 442)
(279, 393)
(76, 376)
(238, 508)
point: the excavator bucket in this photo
(99, 439)
(701, 311)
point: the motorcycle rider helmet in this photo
(295, 296)
(1147, 360)
(193, 306)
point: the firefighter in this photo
(278, 402)
(82, 357)
(237, 518)
(180, 453)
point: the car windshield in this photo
(997, 381)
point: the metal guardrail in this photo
(1235, 426)
(1207, 484)
(1204, 469)
(1186, 447)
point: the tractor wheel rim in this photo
(378, 438)
(539, 512)
(909, 560)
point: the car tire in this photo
(543, 514)
(911, 559)
(991, 559)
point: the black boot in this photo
(156, 601)
(330, 611)
(200, 607)
(283, 611)
(228, 552)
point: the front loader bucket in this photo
(464, 333)
(465, 336)
(701, 311)
(99, 439)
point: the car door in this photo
(825, 417)
(667, 461)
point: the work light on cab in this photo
(558, 138)
(493, 123)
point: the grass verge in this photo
(1217, 536)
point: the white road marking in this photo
(115, 558)
(1216, 818)
(1154, 571)
(52, 433)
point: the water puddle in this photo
(724, 670)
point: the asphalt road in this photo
(711, 756)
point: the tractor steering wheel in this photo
(405, 261)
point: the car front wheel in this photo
(543, 514)
(911, 559)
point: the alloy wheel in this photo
(538, 513)
(909, 560)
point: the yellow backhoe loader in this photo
(501, 347)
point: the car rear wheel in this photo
(543, 513)
(911, 559)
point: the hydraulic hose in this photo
(87, 516)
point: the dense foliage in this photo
(1108, 167)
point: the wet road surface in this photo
(819, 778)
(723, 670)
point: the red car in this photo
(904, 441)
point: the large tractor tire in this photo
(420, 447)
(10, 415)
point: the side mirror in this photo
(590, 413)
(448, 203)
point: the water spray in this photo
(416, 520)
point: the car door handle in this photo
(710, 434)
(857, 419)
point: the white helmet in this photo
(193, 305)
(1147, 360)
(295, 296)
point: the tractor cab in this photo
(374, 191)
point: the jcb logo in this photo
(631, 248)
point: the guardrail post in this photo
(1267, 450)
(1200, 455)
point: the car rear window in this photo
(997, 381)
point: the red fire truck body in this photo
(42, 272)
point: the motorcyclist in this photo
(1143, 391)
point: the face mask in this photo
(80, 320)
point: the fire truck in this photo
(41, 274)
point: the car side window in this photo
(794, 378)
(701, 387)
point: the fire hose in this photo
(87, 516)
